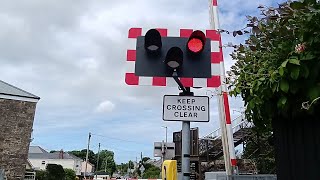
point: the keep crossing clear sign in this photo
(186, 108)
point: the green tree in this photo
(106, 160)
(145, 159)
(82, 155)
(131, 164)
(54, 172)
(277, 75)
(123, 168)
(41, 175)
(70, 174)
(152, 172)
(259, 148)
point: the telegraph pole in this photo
(98, 161)
(105, 167)
(87, 155)
(141, 157)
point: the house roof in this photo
(8, 91)
(66, 155)
(36, 152)
(36, 149)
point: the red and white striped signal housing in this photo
(195, 44)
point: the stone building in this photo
(17, 110)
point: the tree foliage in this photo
(277, 69)
(151, 172)
(106, 161)
(54, 172)
(70, 174)
(145, 159)
(123, 168)
(259, 148)
(82, 155)
(41, 175)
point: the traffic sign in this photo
(158, 56)
(165, 150)
(216, 60)
(186, 108)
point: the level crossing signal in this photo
(158, 56)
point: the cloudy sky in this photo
(72, 54)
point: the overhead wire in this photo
(136, 142)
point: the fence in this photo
(30, 176)
(248, 177)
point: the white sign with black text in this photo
(186, 108)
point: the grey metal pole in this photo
(162, 152)
(166, 134)
(185, 158)
(87, 155)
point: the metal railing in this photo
(30, 175)
(247, 177)
(237, 123)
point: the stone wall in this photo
(16, 121)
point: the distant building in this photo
(17, 110)
(39, 158)
(101, 176)
(90, 167)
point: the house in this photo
(90, 167)
(101, 176)
(39, 158)
(17, 111)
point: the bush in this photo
(55, 172)
(152, 172)
(41, 175)
(70, 174)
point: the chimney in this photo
(61, 154)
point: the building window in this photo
(43, 162)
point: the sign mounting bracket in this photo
(185, 90)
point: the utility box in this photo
(214, 175)
(169, 170)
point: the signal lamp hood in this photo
(152, 41)
(174, 58)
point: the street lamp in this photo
(166, 132)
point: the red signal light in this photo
(195, 45)
(196, 42)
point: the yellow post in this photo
(169, 170)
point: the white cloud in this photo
(72, 55)
(105, 107)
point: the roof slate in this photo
(8, 89)
(36, 152)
